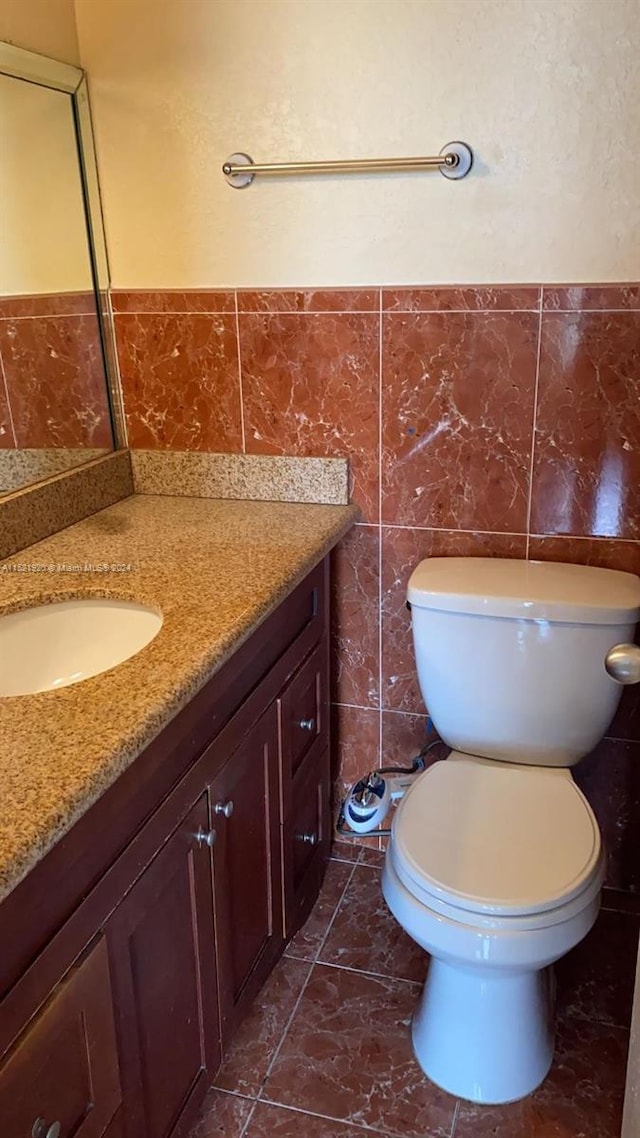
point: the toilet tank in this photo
(510, 654)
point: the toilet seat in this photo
(530, 845)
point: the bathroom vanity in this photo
(131, 949)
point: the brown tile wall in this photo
(52, 389)
(478, 421)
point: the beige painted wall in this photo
(43, 236)
(47, 26)
(546, 91)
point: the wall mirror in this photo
(55, 389)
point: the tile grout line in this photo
(535, 419)
(380, 701)
(310, 968)
(338, 312)
(450, 529)
(326, 1118)
(335, 911)
(390, 710)
(241, 391)
(585, 537)
(248, 1118)
(367, 971)
(503, 533)
(454, 1121)
(312, 964)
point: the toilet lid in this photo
(492, 837)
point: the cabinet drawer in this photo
(64, 1069)
(306, 842)
(303, 713)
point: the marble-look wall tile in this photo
(55, 381)
(586, 298)
(310, 387)
(7, 437)
(355, 615)
(457, 407)
(602, 552)
(309, 300)
(502, 298)
(404, 734)
(626, 721)
(180, 381)
(610, 779)
(402, 549)
(596, 979)
(587, 452)
(355, 737)
(47, 304)
(173, 300)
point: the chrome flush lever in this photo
(622, 663)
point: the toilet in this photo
(495, 860)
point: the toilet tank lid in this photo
(530, 590)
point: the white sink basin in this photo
(53, 646)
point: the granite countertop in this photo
(215, 569)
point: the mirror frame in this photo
(18, 63)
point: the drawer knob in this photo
(225, 808)
(309, 839)
(307, 724)
(41, 1130)
(203, 839)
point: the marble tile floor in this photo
(325, 1052)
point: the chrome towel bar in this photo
(454, 161)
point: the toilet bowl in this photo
(495, 861)
(492, 925)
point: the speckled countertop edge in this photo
(215, 569)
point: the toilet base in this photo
(482, 1037)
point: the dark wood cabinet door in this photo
(162, 951)
(64, 1069)
(247, 868)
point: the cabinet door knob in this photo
(307, 724)
(225, 808)
(203, 839)
(309, 839)
(41, 1130)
